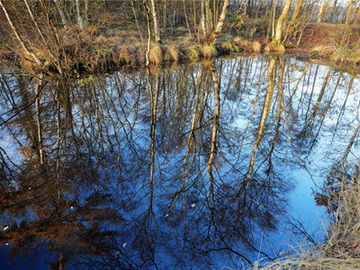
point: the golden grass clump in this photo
(101, 39)
(256, 47)
(237, 40)
(124, 55)
(172, 54)
(274, 48)
(227, 47)
(322, 51)
(208, 51)
(242, 44)
(156, 55)
(192, 52)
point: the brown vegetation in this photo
(341, 250)
(64, 39)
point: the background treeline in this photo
(64, 32)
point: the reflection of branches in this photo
(342, 110)
(312, 92)
(264, 114)
(278, 114)
(298, 228)
(153, 108)
(298, 82)
(214, 131)
(188, 144)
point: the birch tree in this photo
(321, 10)
(221, 20)
(348, 13)
(17, 35)
(156, 23)
(280, 22)
(61, 12)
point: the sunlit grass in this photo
(208, 51)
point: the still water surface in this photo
(193, 167)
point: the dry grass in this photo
(185, 41)
(256, 47)
(242, 44)
(322, 52)
(172, 54)
(312, 262)
(275, 48)
(208, 51)
(237, 40)
(192, 52)
(156, 54)
(341, 249)
(227, 47)
(124, 55)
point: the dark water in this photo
(193, 167)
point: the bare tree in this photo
(348, 13)
(17, 35)
(221, 20)
(280, 22)
(156, 23)
(321, 10)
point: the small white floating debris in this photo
(124, 245)
(29, 188)
(72, 207)
(193, 205)
(5, 228)
(6, 244)
(117, 252)
(167, 215)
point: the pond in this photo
(200, 166)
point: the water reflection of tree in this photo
(148, 170)
(55, 202)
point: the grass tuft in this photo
(227, 47)
(237, 40)
(156, 54)
(322, 51)
(192, 52)
(208, 51)
(273, 48)
(172, 54)
(256, 47)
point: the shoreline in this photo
(90, 52)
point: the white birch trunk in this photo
(156, 23)
(221, 20)
(279, 24)
(321, 10)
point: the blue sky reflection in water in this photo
(197, 166)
